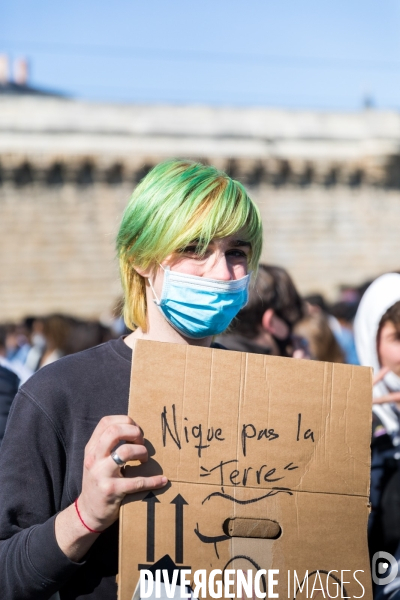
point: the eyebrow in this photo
(236, 243)
(240, 244)
(232, 244)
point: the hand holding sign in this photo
(103, 485)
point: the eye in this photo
(237, 253)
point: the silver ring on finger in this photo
(117, 459)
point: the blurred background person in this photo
(17, 345)
(377, 335)
(20, 369)
(322, 344)
(56, 331)
(265, 324)
(37, 342)
(9, 383)
(330, 340)
(341, 321)
(44, 340)
(63, 335)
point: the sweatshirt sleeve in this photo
(32, 469)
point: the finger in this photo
(129, 452)
(107, 422)
(380, 375)
(113, 434)
(393, 397)
(133, 485)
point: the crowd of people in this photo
(29, 345)
(361, 327)
(277, 320)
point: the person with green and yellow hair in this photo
(189, 238)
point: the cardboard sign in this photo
(268, 461)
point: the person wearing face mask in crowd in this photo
(265, 325)
(377, 337)
(37, 342)
(189, 238)
(22, 371)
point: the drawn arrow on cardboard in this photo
(151, 500)
(165, 566)
(179, 502)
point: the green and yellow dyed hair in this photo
(176, 203)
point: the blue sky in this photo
(284, 53)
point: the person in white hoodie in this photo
(377, 337)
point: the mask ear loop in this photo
(155, 299)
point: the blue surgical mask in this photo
(198, 307)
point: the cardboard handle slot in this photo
(252, 528)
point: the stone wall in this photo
(57, 249)
(57, 242)
(327, 237)
(328, 185)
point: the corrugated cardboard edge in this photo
(121, 512)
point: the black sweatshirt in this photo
(41, 462)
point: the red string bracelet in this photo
(82, 521)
